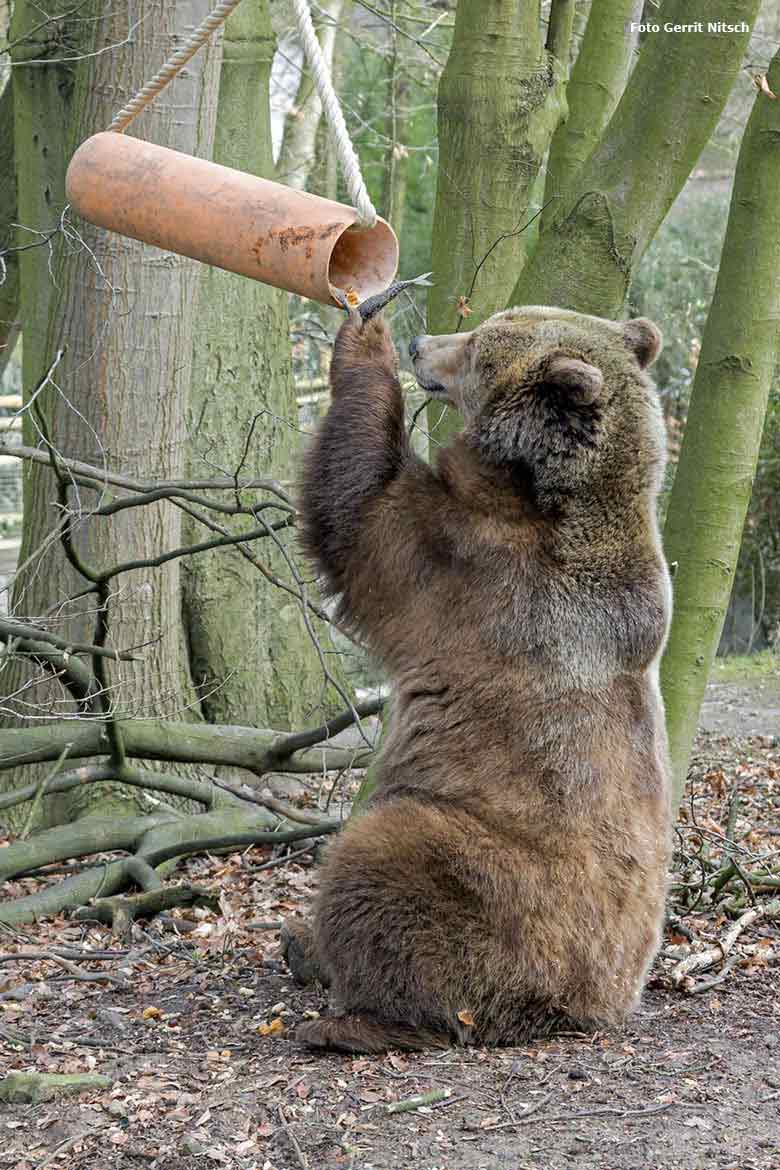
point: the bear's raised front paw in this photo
(365, 341)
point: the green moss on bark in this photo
(714, 478)
(667, 113)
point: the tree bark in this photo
(41, 96)
(9, 271)
(124, 313)
(720, 448)
(397, 161)
(250, 655)
(256, 750)
(585, 258)
(499, 101)
(559, 30)
(500, 98)
(597, 81)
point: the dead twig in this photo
(703, 960)
(280, 861)
(68, 1144)
(598, 1111)
(119, 912)
(289, 812)
(74, 971)
(707, 984)
(303, 1161)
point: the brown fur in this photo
(508, 877)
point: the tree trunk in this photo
(124, 313)
(559, 31)
(250, 655)
(298, 154)
(396, 165)
(9, 271)
(671, 105)
(717, 464)
(597, 81)
(41, 97)
(499, 101)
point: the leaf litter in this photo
(197, 1038)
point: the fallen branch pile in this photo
(122, 879)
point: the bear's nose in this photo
(414, 347)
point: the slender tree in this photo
(597, 81)
(500, 99)
(39, 99)
(9, 266)
(250, 654)
(714, 477)
(393, 195)
(560, 26)
(499, 102)
(614, 207)
(298, 154)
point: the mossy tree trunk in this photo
(40, 97)
(499, 101)
(9, 271)
(586, 256)
(250, 655)
(123, 313)
(597, 81)
(500, 98)
(714, 478)
(393, 196)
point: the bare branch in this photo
(256, 749)
(10, 628)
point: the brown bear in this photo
(508, 877)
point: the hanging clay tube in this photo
(275, 234)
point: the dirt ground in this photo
(195, 1033)
(742, 708)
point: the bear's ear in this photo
(644, 340)
(573, 376)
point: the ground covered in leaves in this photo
(192, 1025)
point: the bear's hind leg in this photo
(299, 953)
(367, 1034)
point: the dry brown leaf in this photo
(466, 1018)
(151, 1013)
(275, 1028)
(462, 307)
(716, 780)
(762, 84)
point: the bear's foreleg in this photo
(360, 449)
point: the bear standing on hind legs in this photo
(509, 874)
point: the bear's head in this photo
(553, 391)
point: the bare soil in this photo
(198, 1039)
(742, 708)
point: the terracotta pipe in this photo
(260, 229)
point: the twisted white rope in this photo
(173, 65)
(350, 165)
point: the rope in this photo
(350, 166)
(172, 66)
